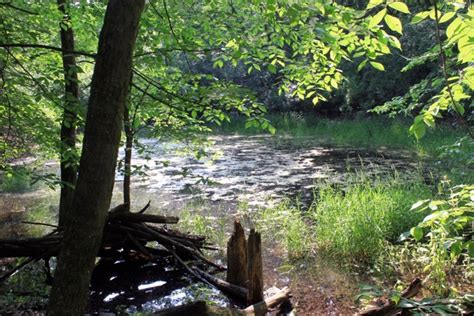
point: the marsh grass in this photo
(352, 223)
(356, 224)
(214, 228)
(286, 225)
(367, 132)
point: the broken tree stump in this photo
(237, 256)
(254, 268)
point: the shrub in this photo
(449, 231)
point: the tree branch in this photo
(10, 5)
(445, 71)
(41, 46)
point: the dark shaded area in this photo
(134, 283)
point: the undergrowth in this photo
(356, 223)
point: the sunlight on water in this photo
(151, 285)
(253, 169)
(110, 297)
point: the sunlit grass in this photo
(352, 223)
(213, 228)
(284, 224)
(356, 223)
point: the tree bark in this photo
(128, 154)
(237, 257)
(68, 124)
(254, 268)
(83, 232)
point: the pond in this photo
(255, 170)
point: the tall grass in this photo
(356, 224)
(350, 224)
(285, 224)
(214, 229)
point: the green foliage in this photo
(17, 181)
(454, 83)
(26, 290)
(448, 229)
(205, 225)
(356, 224)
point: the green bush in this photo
(449, 231)
(356, 224)
(15, 182)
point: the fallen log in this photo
(138, 217)
(390, 308)
(273, 301)
(226, 287)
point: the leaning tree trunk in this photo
(68, 124)
(109, 89)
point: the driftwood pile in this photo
(135, 235)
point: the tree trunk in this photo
(109, 89)
(68, 124)
(128, 155)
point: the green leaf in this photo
(458, 108)
(470, 248)
(361, 65)
(393, 23)
(374, 3)
(456, 248)
(272, 68)
(377, 18)
(418, 128)
(271, 129)
(417, 233)
(399, 6)
(377, 65)
(420, 17)
(218, 63)
(453, 27)
(446, 17)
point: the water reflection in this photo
(146, 287)
(255, 169)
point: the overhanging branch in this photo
(41, 46)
